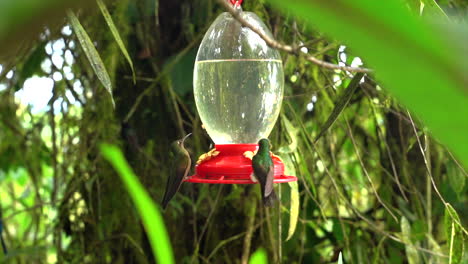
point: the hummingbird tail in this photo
(165, 202)
(270, 200)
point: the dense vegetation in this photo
(373, 183)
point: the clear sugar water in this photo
(238, 100)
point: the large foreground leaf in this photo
(152, 219)
(21, 21)
(259, 257)
(409, 57)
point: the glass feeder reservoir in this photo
(238, 86)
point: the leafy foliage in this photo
(60, 201)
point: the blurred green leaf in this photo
(116, 35)
(341, 104)
(152, 219)
(13, 253)
(294, 209)
(411, 252)
(180, 68)
(454, 234)
(292, 135)
(22, 21)
(456, 177)
(418, 230)
(15, 12)
(436, 248)
(91, 53)
(422, 70)
(259, 257)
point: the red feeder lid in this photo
(230, 166)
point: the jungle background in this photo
(375, 187)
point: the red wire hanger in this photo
(236, 3)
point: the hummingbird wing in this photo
(181, 169)
(264, 174)
(269, 180)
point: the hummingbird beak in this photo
(183, 139)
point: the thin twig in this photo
(224, 242)
(428, 186)
(270, 234)
(25, 210)
(55, 185)
(350, 133)
(462, 169)
(425, 159)
(122, 235)
(430, 173)
(287, 48)
(197, 248)
(381, 136)
(280, 240)
(249, 233)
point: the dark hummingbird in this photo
(128, 133)
(181, 167)
(264, 172)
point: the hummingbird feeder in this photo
(238, 86)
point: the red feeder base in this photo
(230, 166)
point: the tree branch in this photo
(288, 48)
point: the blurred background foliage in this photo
(376, 186)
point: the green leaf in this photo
(152, 219)
(431, 8)
(410, 59)
(116, 35)
(91, 53)
(259, 257)
(32, 65)
(180, 69)
(454, 234)
(341, 104)
(411, 252)
(340, 258)
(455, 176)
(292, 134)
(294, 209)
